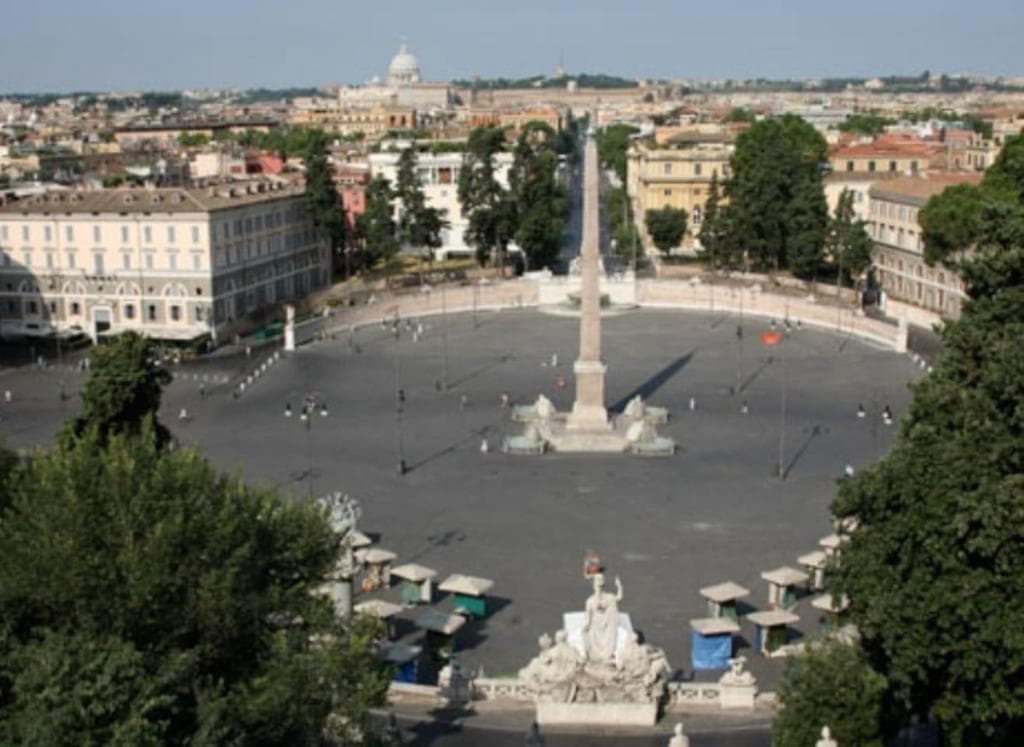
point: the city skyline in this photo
(59, 46)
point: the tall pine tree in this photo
(419, 226)
(323, 202)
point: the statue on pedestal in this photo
(601, 625)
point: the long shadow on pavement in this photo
(654, 383)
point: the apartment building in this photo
(677, 176)
(439, 174)
(903, 274)
(172, 264)
(370, 121)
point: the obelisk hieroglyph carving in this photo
(588, 411)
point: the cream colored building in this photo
(439, 174)
(903, 274)
(372, 122)
(168, 263)
(678, 176)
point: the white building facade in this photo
(439, 174)
(171, 264)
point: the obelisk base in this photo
(588, 411)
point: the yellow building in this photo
(372, 122)
(898, 255)
(677, 176)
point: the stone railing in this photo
(544, 289)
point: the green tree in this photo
(323, 203)
(123, 389)
(612, 146)
(487, 206)
(865, 124)
(936, 567)
(847, 244)
(979, 230)
(832, 685)
(665, 227)
(737, 114)
(777, 212)
(419, 226)
(376, 225)
(192, 139)
(145, 599)
(711, 227)
(621, 225)
(540, 202)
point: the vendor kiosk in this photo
(417, 582)
(770, 631)
(711, 642)
(469, 593)
(721, 599)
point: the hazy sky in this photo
(63, 45)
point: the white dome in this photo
(404, 68)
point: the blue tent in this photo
(710, 651)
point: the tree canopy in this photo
(376, 226)
(666, 227)
(323, 203)
(612, 146)
(777, 214)
(539, 200)
(847, 244)
(486, 204)
(145, 599)
(712, 227)
(123, 390)
(830, 684)
(419, 226)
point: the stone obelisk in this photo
(588, 411)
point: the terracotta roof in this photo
(161, 200)
(918, 190)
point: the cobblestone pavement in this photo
(667, 527)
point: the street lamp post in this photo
(399, 408)
(444, 332)
(311, 405)
(772, 338)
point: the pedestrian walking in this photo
(8, 396)
(183, 415)
(554, 360)
(202, 388)
(848, 470)
(744, 408)
(463, 401)
(693, 404)
(484, 446)
(504, 400)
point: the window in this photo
(151, 312)
(149, 260)
(871, 165)
(195, 234)
(170, 234)
(147, 234)
(26, 259)
(697, 215)
(668, 192)
(48, 233)
(126, 261)
(125, 233)
(197, 261)
(226, 230)
(97, 259)
(849, 165)
(96, 234)
(238, 228)
(913, 167)
(3, 233)
(71, 260)
(696, 169)
(172, 260)
(33, 307)
(76, 309)
(903, 213)
(248, 225)
(7, 259)
(199, 313)
(25, 234)
(49, 260)
(259, 222)
(176, 313)
(69, 233)
(892, 165)
(129, 311)
(668, 168)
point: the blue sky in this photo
(62, 45)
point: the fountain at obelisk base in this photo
(595, 671)
(588, 427)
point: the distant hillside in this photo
(584, 80)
